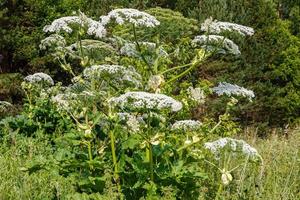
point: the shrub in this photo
(118, 130)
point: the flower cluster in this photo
(133, 122)
(116, 73)
(39, 78)
(63, 24)
(208, 41)
(141, 100)
(52, 40)
(186, 125)
(90, 45)
(136, 17)
(65, 101)
(155, 82)
(230, 89)
(234, 145)
(196, 94)
(129, 49)
(216, 27)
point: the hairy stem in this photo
(115, 162)
(174, 68)
(220, 189)
(89, 145)
(151, 162)
(182, 74)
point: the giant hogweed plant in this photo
(132, 141)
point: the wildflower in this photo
(226, 177)
(132, 121)
(140, 100)
(216, 27)
(209, 41)
(155, 82)
(38, 78)
(188, 141)
(157, 139)
(52, 40)
(129, 49)
(91, 45)
(133, 124)
(196, 94)
(115, 73)
(233, 145)
(60, 100)
(136, 17)
(63, 24)
(186, 125)
(64, 101)
(230, 89)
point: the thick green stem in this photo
(219, 192)
(191, 144)
(115, 162)
(151, 162)
(174, 68)
(90, 151)
(89, 145)
(113, 152)
(80, 43)
(182, 74)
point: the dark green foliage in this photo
(270, 66)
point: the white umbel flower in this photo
(140, 100)
(230, 89)
(234, 145)
(63, 24)
(216, 27)
(53, 40)
(155, 82)
(130, 49)
(65, 101)
(39, 78)
(196, 94)
(116, 73)
(217, 41)
(136, 17)
(186, 125)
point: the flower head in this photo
(186, 125)
(114, 73)
(210, 41)
(234, 145)
(145, 100)
(39, 78)
(63, 24)
(230, 89)
(155, 82)
(136, 17)
(130, 49)
(216, 27)
(196, 94)
(52, 40)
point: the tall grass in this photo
(16, 153)
(277, 178)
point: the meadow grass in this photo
(277, 178)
